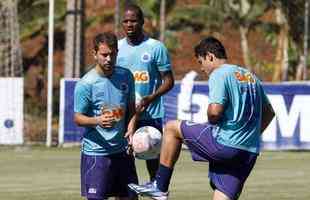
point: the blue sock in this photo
(163, 177)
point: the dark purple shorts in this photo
(107, 176)
(157, 123)
(228, 168)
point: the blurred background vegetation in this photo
(267, 36)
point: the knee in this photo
(172, 128)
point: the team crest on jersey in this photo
(124, 87)
(146, 57)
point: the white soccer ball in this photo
(146, 143)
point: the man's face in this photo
(132, 25)
(105, 57)
(206, 64)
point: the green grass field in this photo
(38, 173)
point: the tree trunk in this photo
(301, 73)
(245, 46)
(281, 60)
(300, 67)
(117, 17)
(162, 20)
(284, 63)
(74, 38)
(244, 29)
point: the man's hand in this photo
(106, 120)
(144, 103)
(129, 136)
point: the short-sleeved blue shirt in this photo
(242, 95)
(94, 93)
(145, 60)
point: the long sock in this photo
(163, 177)
(152, 167)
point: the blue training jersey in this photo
(145, 61)
(242, 95)
(94, 94)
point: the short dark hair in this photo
(135, 8)
(210, 45)
(107, 38)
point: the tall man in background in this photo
(104, 103)
(149, 62)
(238, 113)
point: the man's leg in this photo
(170, 151)
(218, 195)
(152, 167)
(171, 144)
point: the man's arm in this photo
(105, 120)
(267, 116)
(168, 83)
(215, 112)
(132, 120)
(83, 120)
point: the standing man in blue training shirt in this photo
(104, 103)
(238, 113)
(149, 62)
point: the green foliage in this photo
(104, 17)
(195, 18)
(33, 15)
(171, 41)
(294, 12)
(151, 8)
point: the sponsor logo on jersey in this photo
(141, 76)
(245, 78)
(145, 57)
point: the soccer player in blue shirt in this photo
(149, 61)
(104, 103)
(238, 113)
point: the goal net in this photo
(10, 50)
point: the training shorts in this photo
(228, 167)
(107, 176)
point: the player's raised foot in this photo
(149, 190)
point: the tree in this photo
(243, 14)
(155, 11)
(291, 30)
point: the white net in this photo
(10, 51)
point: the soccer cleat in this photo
(149, 190)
